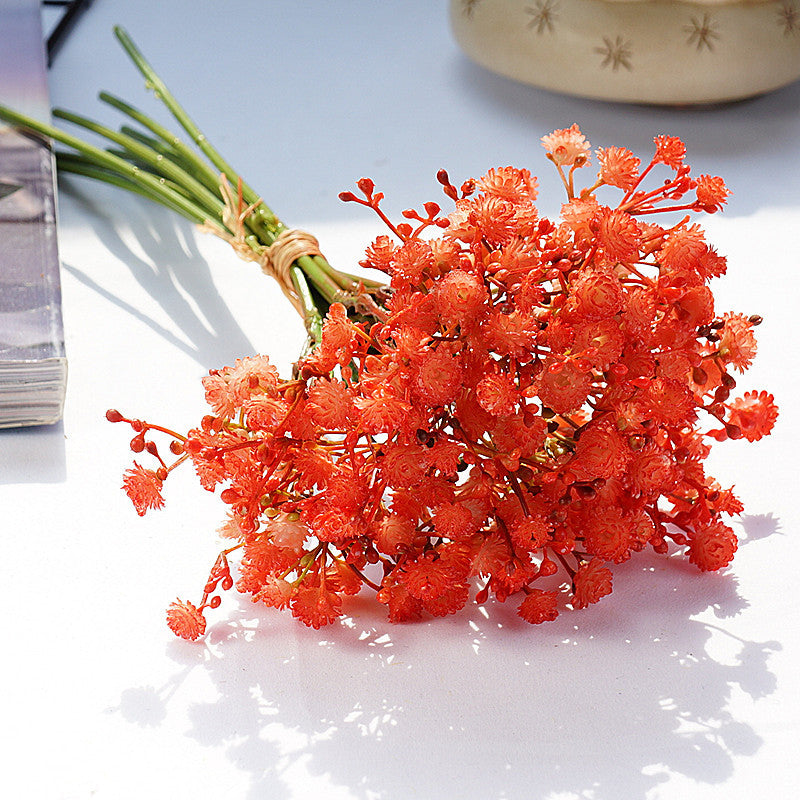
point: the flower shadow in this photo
(758, 526)
(171, 270)
(607, 703)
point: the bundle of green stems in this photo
(196, 182)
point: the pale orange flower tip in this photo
(185, 620)
(670, 150)
(712, 193)
(143, 486)
(618, 167)
(567, 147)
(539, 606)
(592, 581)
(712, 547)
(754, 414)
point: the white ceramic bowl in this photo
(647, 51)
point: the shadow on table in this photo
(607, 703)
(33, 455)
(173, 273)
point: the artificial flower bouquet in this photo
(522, 403)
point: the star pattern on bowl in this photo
(702, 32)
(542, 16)
(616, 53)
(789, 19)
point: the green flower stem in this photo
(162, 92)
(126, 155)
(367, 283)
(154, 144)
(107, 161)
(311, 315)
(160, 148)
(79, 165)
(331, 284)
(172, 143)
(173, 148)
(320, 278)
(346, 282)
(352, 287)
(155, 162)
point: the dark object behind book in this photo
(71, 11)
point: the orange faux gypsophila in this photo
(143, 486)
(185, 620)
(529, 408)
(567, 147)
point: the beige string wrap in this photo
(277, 259)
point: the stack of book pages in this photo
(33, 364)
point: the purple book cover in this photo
(32, 358)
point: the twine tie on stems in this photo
(276, 259)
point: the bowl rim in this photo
(688, 2)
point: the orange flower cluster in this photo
(531, 406)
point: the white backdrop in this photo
(680, 685)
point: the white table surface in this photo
(680, 685)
